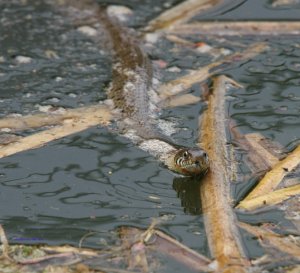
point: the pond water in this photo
(96, 181)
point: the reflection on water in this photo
(252, 10)
(188, 190)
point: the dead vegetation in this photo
(222, 227)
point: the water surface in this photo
(96, 180)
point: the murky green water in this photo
(95, 180)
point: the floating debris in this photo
(87, 30)
(122, 13)
(281, 3)
(50, 54)
(23, 59)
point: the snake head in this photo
(191, 161)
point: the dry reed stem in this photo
(280, 3)
(70, 257)
(242, 28)
(4, 242)
(45, 119)
(180, 14)
(160, 242)
(272, 178)
(178, 85)
(182, 100)
(70, 249)
(92, 116)
(219, 218)
(269, 199)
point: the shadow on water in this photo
(188, 190)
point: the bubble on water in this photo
(50, 108)
(72, 95)
(44, 108)
(28, 95)
(53, 100)
(103, 242)
(152, 197)
(24, 186)
(87, 30)
(23, 59)
(174, 69)
(282, 108)
(123, 13)
(58, 79)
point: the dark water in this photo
(95, 180)
(252, 10)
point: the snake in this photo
(134, 98)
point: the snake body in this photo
(132, 93)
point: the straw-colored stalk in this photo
(237, 28)
(180, 14)
(219, 218)
(90, 117)
(178, 85)
(273, 178)
(38, 120)
(269, 199)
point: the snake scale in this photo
(131, 91)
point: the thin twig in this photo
(180, 13)
(238, 28)
(75, 258)
(160, 242)
(85, 236)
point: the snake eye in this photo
(185, 154)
